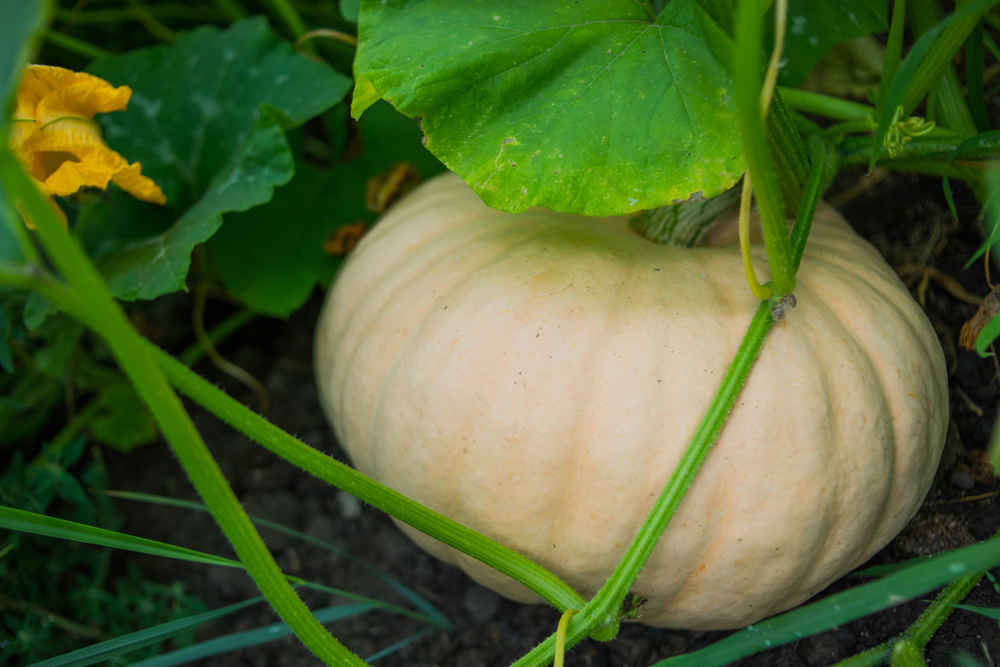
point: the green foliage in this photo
(589, 108)
(272, 256)
(816, 27)
(932, 52)
(125, 423)
(22, 20)
(206, 121)
(350, 9)
(58, 595)
(10, 249)
(846, 606)
(47, 355)
(622, 109)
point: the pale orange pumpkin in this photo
(537, 376)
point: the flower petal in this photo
(37, 81)
(131, 180)
(21, 132)
(70, 176)
(57, 140)
(81, 96)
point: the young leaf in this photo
(816, 27)
(588, 108)
(206, 121)
(274, 267)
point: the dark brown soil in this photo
(904, 216)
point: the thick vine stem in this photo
(258, 429)
(174, 422)
(605, 606)
(747, 85)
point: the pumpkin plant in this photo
(591, 409)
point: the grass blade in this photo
(40, 524)
(893, 50)
(240, 640)
(974, 57)
(844, 607)
(137, 640)
(409, 594)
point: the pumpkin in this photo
(537, 376)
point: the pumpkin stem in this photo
(561, 637)
(685, 224)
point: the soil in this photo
(905, 216)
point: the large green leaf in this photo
(205, 120)
(589, 107)
(272, 256)
(159, 263)
(816, 27)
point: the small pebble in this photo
(962, 480)
(350, 507)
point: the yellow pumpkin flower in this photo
(56, 139)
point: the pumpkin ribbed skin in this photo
(537, 376)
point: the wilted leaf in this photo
(984, 327)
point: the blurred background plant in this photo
(218, 143)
